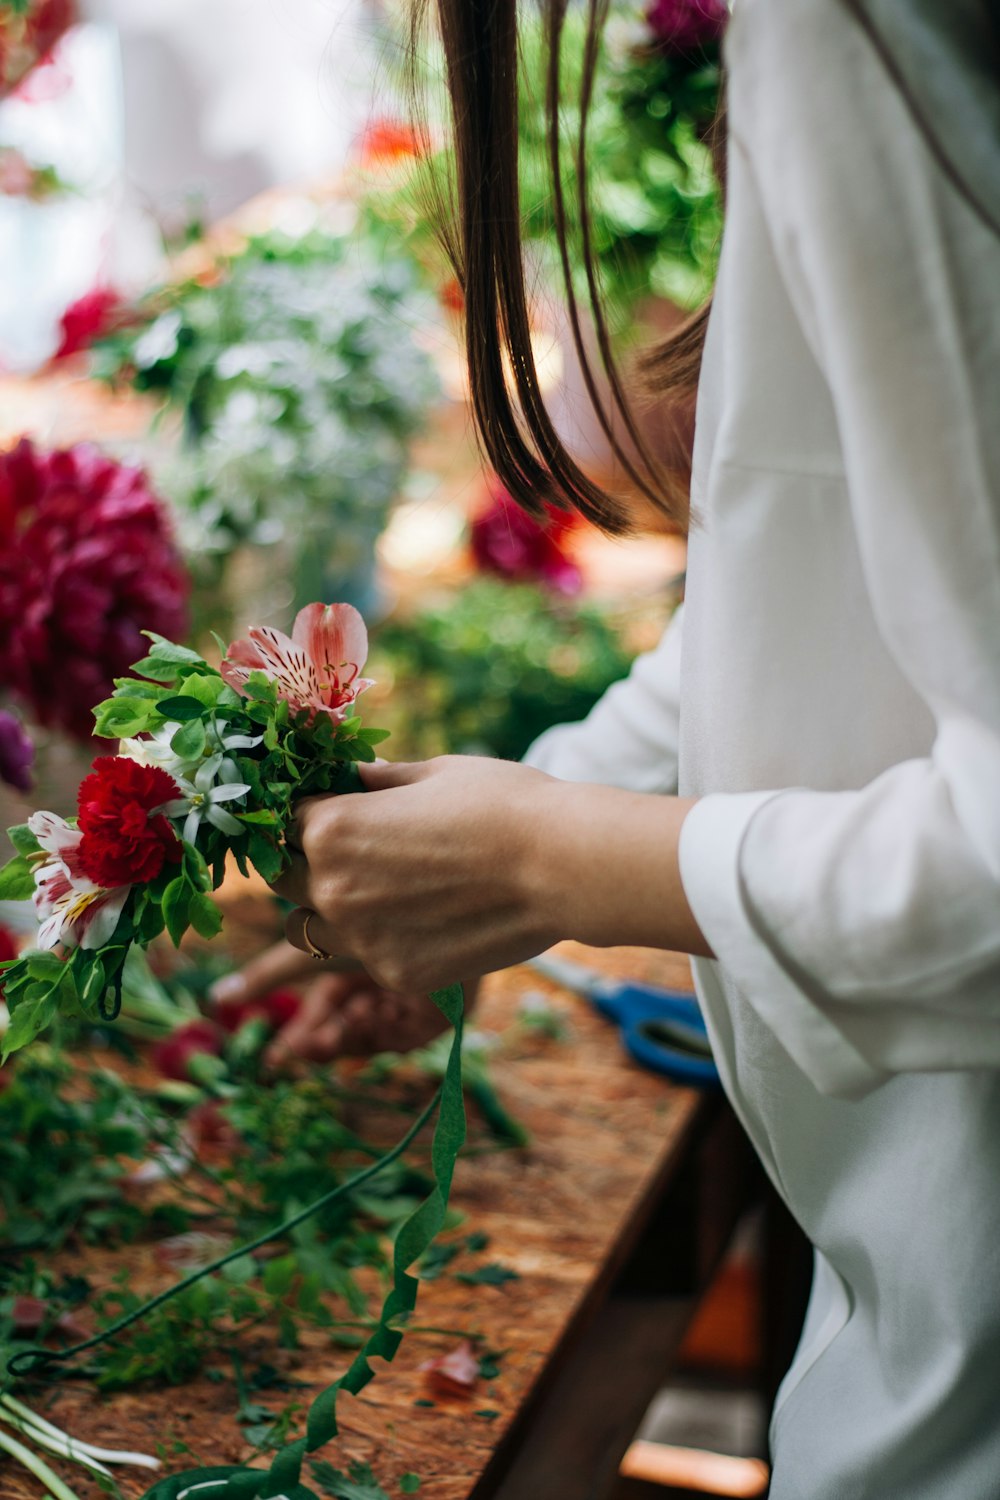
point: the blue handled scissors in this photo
(662, 1029)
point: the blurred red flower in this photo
(87, 319)
(87, 562)
(125, 840)
(27, 36)
(276, 1009)
(8, 949)
(685, 26)
(173, 1055)
(388, 140)
(506, 540)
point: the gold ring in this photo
(318, 953)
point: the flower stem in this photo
(36, 1466)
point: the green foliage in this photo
(299, 385)
(492, 666)
(654, 203)
(65, 1140)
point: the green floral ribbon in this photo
(283, 1480)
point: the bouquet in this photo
(210, 764)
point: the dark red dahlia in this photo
(506, 540)
(87, 562)
(125, 840)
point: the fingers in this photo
(314, 1032)
(282, 964)
(379, 775)
(310, 934)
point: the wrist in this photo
(607, 871)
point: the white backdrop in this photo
(175, 106)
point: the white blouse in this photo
(836, 708)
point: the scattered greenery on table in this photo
(491, 666)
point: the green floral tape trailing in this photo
(283, 1480)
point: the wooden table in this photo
(613, 1217)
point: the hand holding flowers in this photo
(210, 763)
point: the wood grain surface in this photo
(562, 1212)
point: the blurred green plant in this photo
(299, 382)
(655, 203)
(488, 668)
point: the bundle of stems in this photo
(43, 1434)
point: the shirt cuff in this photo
(750, 955)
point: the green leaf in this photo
(17, 883)
(149, 921)
(168, 651)
(491, 1275)
(181, 708)
(30, 1018)
(373, 736)
(279, 1275)
(263, 818)
(157, 669)
(265, 855)
(44, 967)
(90, 976)
(359, 1484)
(409, 1484)
(176, 906)
(189, 741)
(119, 718)
(23, 839)
(204, 916)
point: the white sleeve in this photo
(865, 925)
(629, 738)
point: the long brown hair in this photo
(482, 235)
(484, 243)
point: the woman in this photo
(834, 861)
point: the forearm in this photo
(608, 872)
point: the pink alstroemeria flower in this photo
(316, 668)
(71, 908)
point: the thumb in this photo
(379, 775)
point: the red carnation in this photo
(125, 840)
(87, 562)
